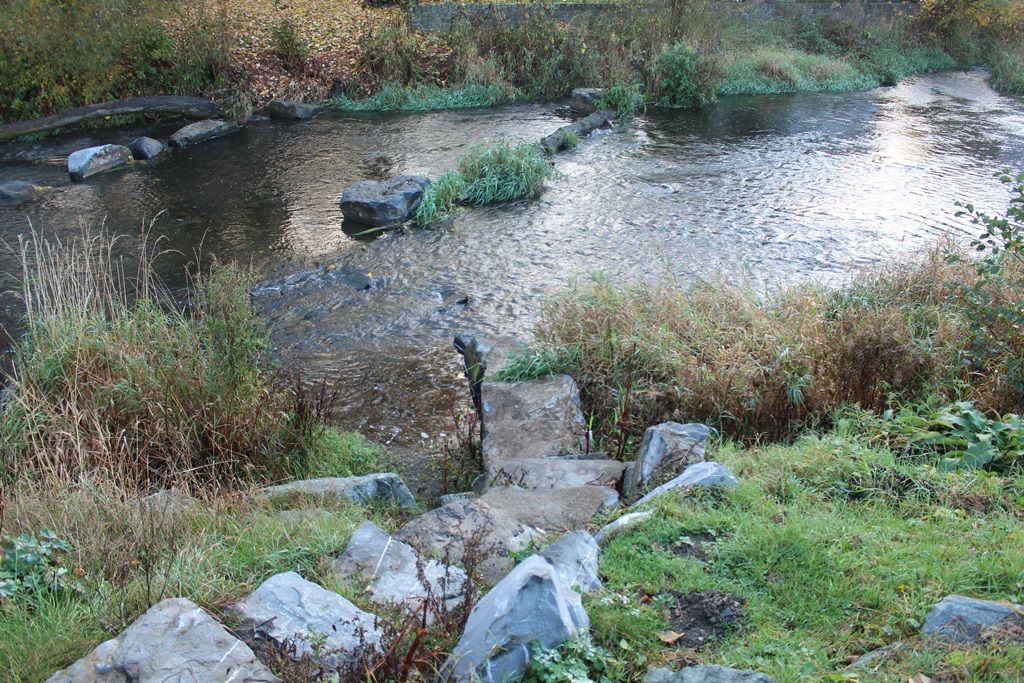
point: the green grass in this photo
(487, 175)
(833, 559)
(428, 97)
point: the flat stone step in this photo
(535, 419)
(504, 520)
(556, 472)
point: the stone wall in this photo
(441, 17)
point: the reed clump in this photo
(114, 378)
(758, 367)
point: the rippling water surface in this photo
(772, 189)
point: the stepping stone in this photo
(380, 204)
(287, 609)
(504, 520)
(704, 474)
(392, 570)
(18, 191)
(201, 131)
(584, 100)
(959, 619)
(93, 160)
(291, 111)
(174, 641)
(531, 604)
(535, 419)
(556, 472)
(146, 148)
(382, 489)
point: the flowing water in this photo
(769, 189)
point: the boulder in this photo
(962, 620)
(705, 674)
(623, 522)
(392, 570)
(529, 605)
(18, 191)
(287, 609)
(87, 162)
(201, 131)
(383, 488)
(456, 497)
(174, 641)
(383, 203)
(146, 148)
(575, 557)
(291, 111)
(504, 520)
(556, 472)
(167, 503)
(534, 419)
(705, 474)
(668, 448)
(474, 361)
(584, 100)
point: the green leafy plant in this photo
(578, 660)
(962, 435)
(994, 301)
(30, 564)
(625, 99)
(685, 78)
(291, 47)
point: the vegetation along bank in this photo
(681, 53)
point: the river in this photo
(770, 189)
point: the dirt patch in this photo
(699, 618)
(696, 546)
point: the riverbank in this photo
(246, 54)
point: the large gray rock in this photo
(555, 472)
(291, 111)
(704, 474)
(534, 419)
(288, 609)
(668, 449)
(959, 619)
(705, 674)
(383, 488)
(623, 522)
(474, 361)
(392, 570)
(201, 131)
(584, 100)
(383, 203)
(503, 521)
(174, 641)
(575, 558)
(87, 162)
(18, 191)
(95, 667)
(146, 148)
(529, 605)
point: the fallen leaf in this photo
(670, 637)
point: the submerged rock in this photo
(18, 191)
(383, 488)
(174, 641)
(291, 111)
(531, 604)
(287, 609)
(201, 131)
(87, 162)
(375, 203)
(146, 148)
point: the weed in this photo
(440, 198)
(684, 77)
(30, 564)
(291, 47)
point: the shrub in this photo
(290, 47)
(685, 79)
(113, 378)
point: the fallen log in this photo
(189, 107)
(559, 140)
